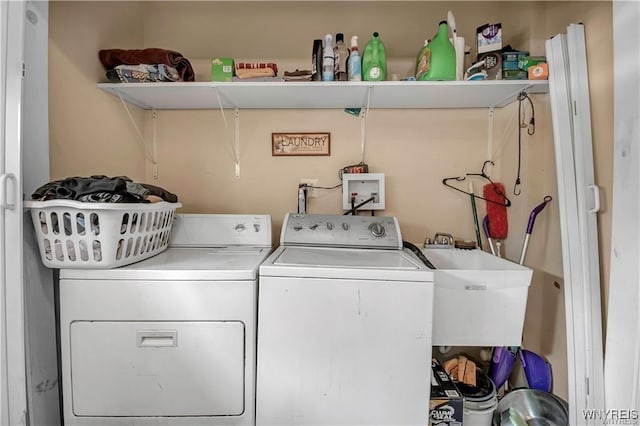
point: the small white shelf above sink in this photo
(323, 95)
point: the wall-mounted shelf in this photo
(296, 95)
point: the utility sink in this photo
(479, 299)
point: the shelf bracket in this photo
(364, 113)
(142, 141)
(490, 138)
(236, 133)
(512, 97)
(154, 144)
(236, 142)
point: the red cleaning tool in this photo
(496, 212)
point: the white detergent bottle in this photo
(355, 61)
(327, 59)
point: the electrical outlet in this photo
(311, 192)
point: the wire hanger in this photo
(482, 174)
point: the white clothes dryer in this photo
(344, 325)
(169, 340)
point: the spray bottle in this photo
(355, 64)
(327, 59)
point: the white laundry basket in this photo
(73, 234)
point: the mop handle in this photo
(532, 219)
(535, 211)
(485, 225)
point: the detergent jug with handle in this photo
(374, 60)
(437, 60)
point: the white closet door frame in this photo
(579, 205)
(622, 359)
(588, 208)
(13, 400)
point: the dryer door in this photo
(157, 368)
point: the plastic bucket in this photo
(479, 413)
(479, 402)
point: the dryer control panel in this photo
(219, 230)
(341, 231)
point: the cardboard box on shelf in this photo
(539, 72)
(446, 402)
(527, 62)
(514, 75)
(488, 38)
(510, 60)
(222, 69)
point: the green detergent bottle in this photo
(437, 60)
(374, 60)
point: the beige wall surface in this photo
(92, 133)
(89, 130)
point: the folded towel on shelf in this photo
(297, 75)
(254, 79)
(252, 73)
(111, 58)
(256, 66)
(142, 73)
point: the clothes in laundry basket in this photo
(102, 189)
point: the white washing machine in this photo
(169, 340)
(344, 325)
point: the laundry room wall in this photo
(414, 148)
(92, 133)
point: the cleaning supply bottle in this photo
(327, 59)
(437, 61)
(374, 60)
(421, 60)
(355, 64)
(340, 55)
(316, 60)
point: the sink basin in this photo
(479, 299)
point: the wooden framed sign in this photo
(284, 144)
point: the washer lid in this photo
(185, 264)
(323, 262)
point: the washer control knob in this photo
(240, 227)
(377, 229)
(314, 227)
(329, 226)
(345, 226)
